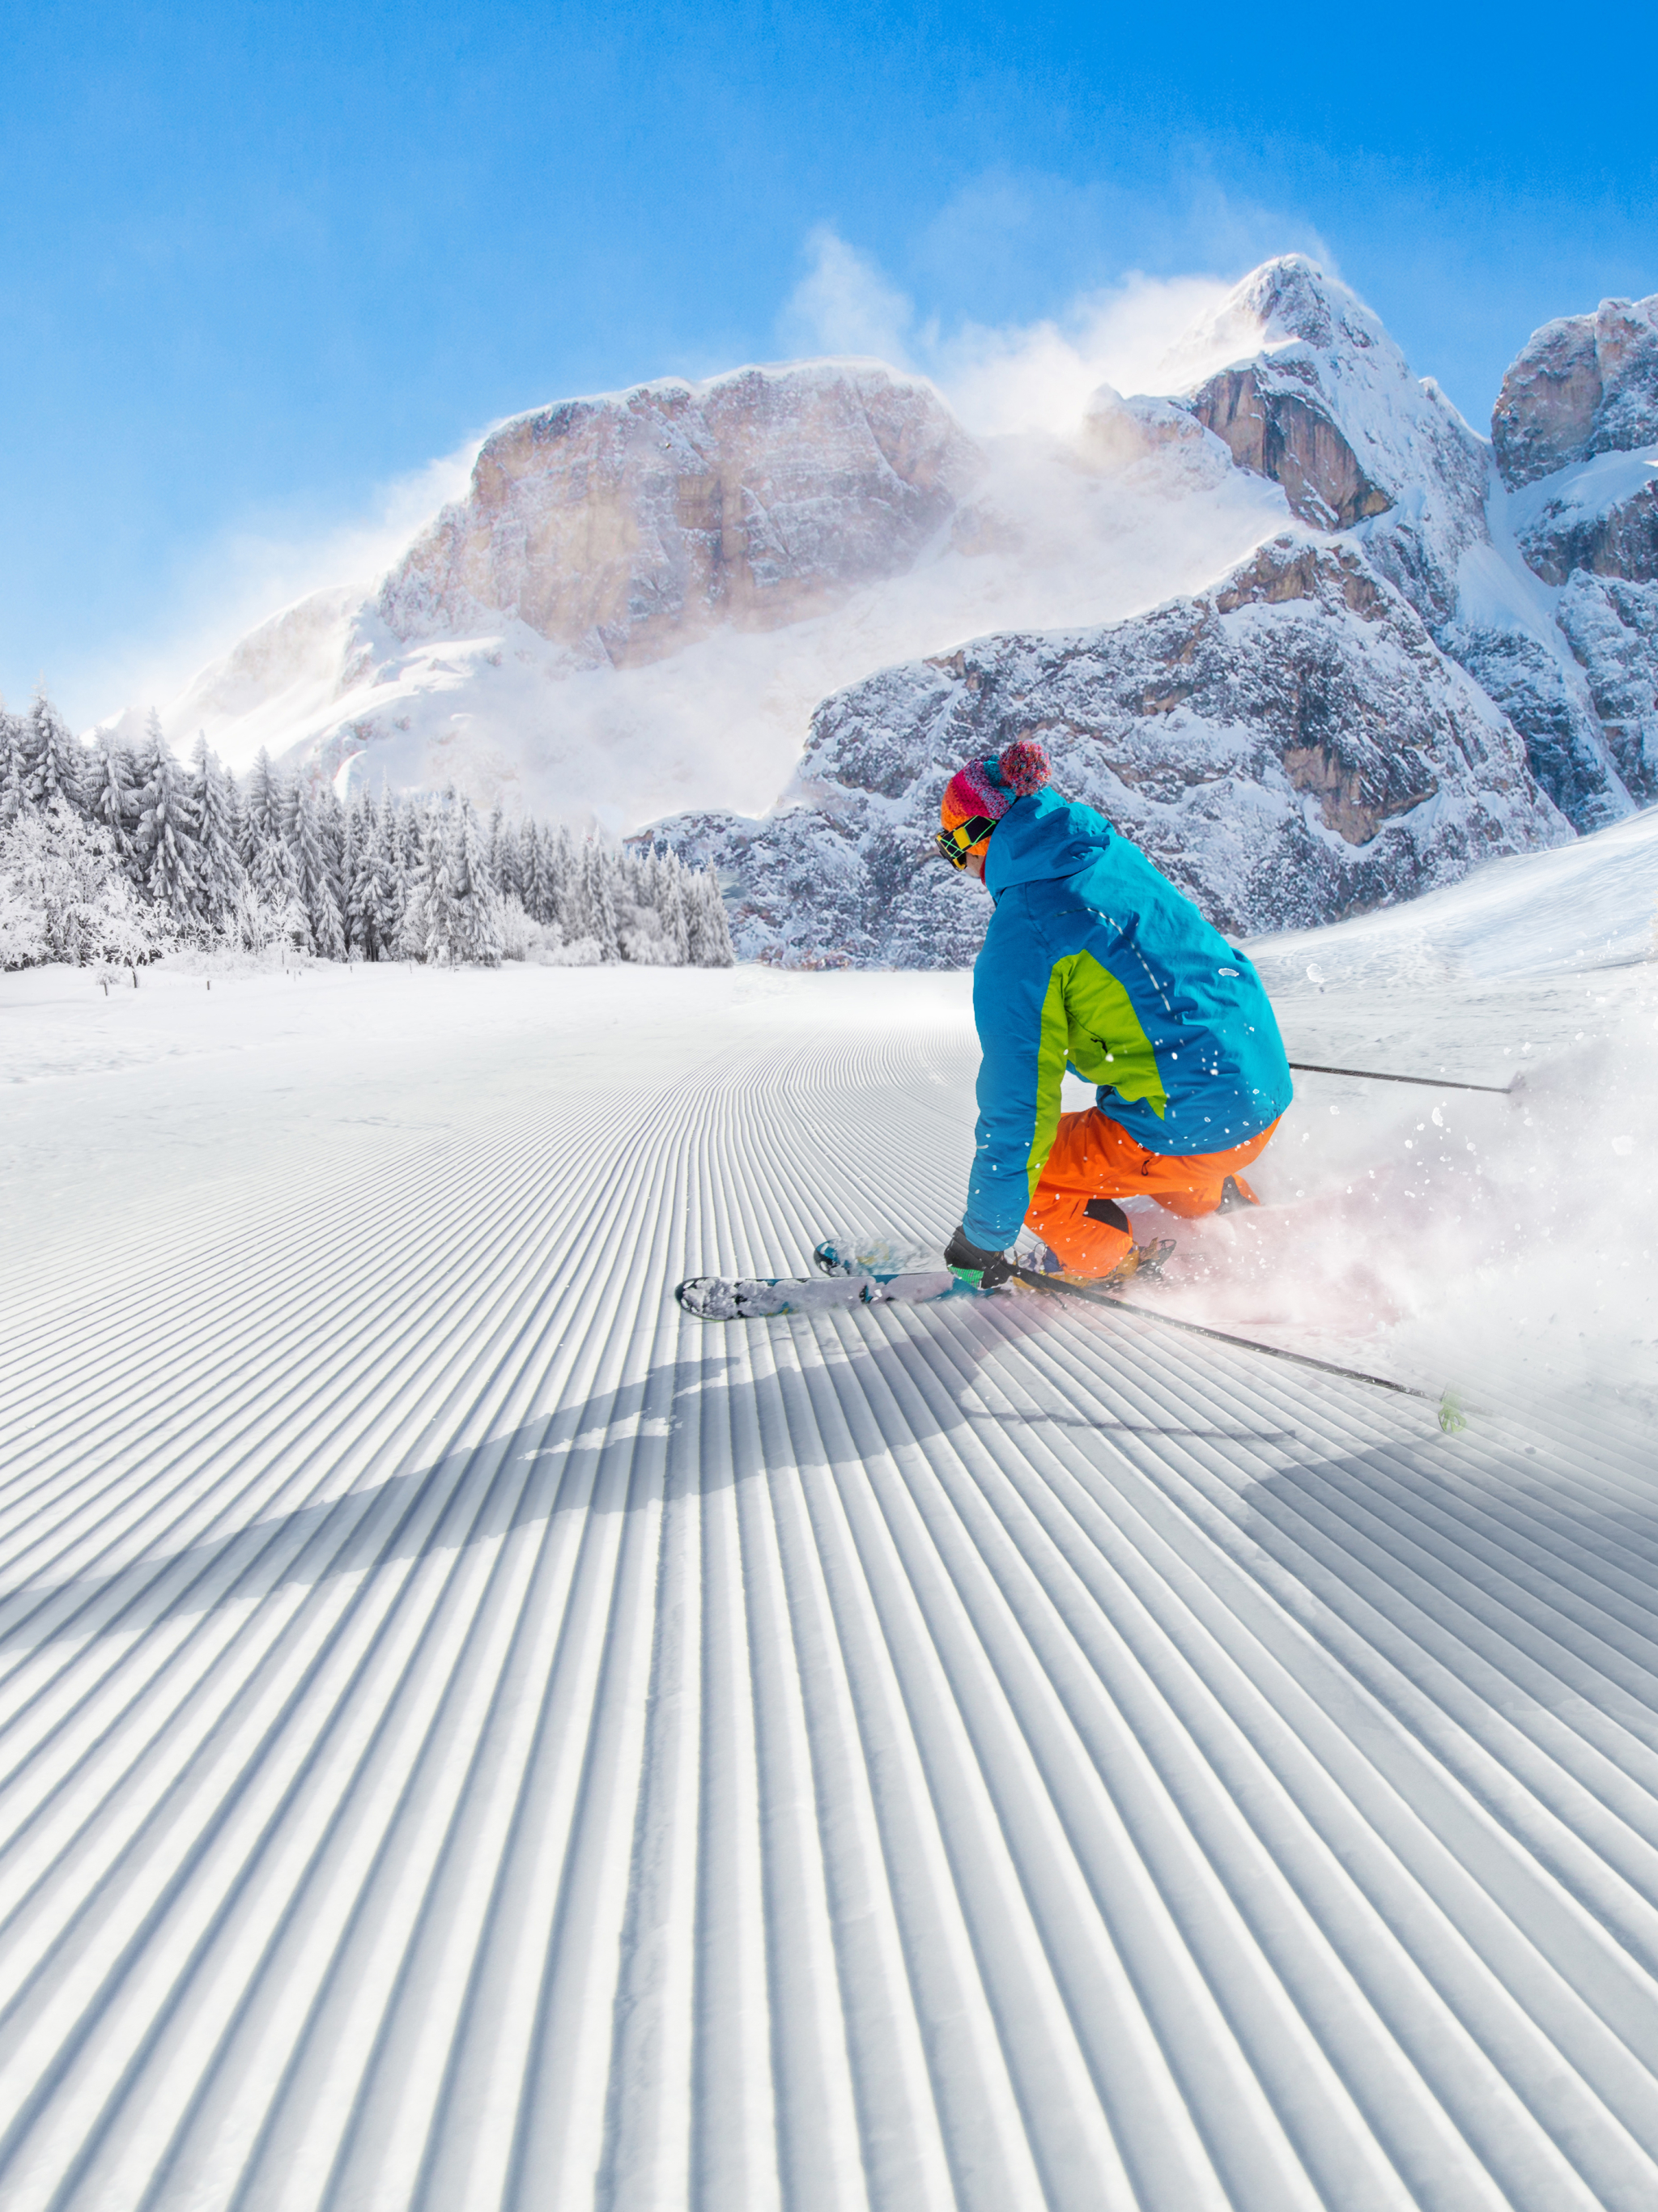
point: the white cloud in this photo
(1038, 376)
(1012, 377)
(844, 305)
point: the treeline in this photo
(115, 852)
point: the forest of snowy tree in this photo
(113, 853)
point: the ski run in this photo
(476, 1736)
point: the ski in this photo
(755, 1298)
(843, 1283)
(870, 1273)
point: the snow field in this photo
(476, 1737)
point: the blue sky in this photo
(261, 263)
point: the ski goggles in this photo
(955, 844)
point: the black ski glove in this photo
(984, 1270)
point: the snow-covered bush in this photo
(64, 895)
(22, 927)
(257, 920)
(523, 937)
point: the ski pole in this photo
(1428, 1082)
(1225, 1336)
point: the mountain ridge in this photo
(650, 605)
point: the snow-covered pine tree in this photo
(710, 930)
(234, 813)
(478, 903)
(566, 897)
(269, 910)
(316, 890)
(392, 878)
(429, 862)
(563, 893)
(167, 836)
(64, 894)
(220, 873)
(265, 812)
(667, 895)
(569, 885)
(147, 757)
(12, 801)
(334, 835)
(385, 889)
(363, 927)
(409, 845)
(274, 880)
(429, 928)
(535, 882)
(51, 756)
(502, 855)
(598, 871)
(110, 787)
(639, 927)
(531, 877)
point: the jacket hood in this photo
(1041, 836)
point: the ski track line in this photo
(474, 1737)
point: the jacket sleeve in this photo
(1019, 1004)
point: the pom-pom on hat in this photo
(988, 787)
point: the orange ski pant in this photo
(1095, 1161)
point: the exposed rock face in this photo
(1582, 386)
(1613, 626)
(621, 527)
(1589, 529)
(1283, 433)
(1289, 748)
(1544, 695)
(1617, 538)
(1327, 407)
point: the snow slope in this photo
(476, 1737)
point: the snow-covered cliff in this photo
(624, 527)
(1576, 434)
(1288, 746)
(1325, 405)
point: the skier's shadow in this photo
(698, 1423)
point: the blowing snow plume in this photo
(1509, 1239)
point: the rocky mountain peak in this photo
(1583, 385)
(621, 526)
(1291, 301)
(1323, 402)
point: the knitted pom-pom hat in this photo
(989, 788)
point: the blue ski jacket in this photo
(1095, 962)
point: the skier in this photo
(1095, 962)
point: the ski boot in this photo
(1148, 1260)
(1234, 1192)
(1145, 1261)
